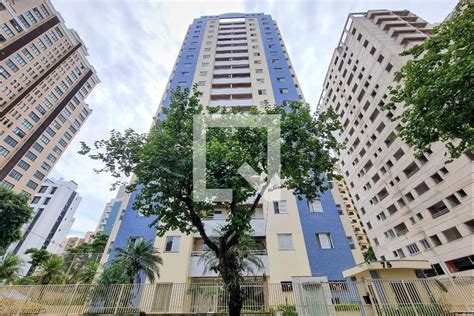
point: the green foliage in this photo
(10, 266)
(162, 162)
(140, 257)
(421, 309)
(38, 256)
(346, 307)
(14, 212)
(95, 246)
(437, 90)
(51, 271)
(288, 310)
(114, 273)
(369, 255)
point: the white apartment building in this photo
(53, 215)
(111, 211)
(411, 207)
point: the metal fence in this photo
(419, 297)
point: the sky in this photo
(133, 46)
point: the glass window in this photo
(285, 241)
(24, 21)
(10, 141)
(7, 185)
(279, 207)
(17, 131)
(4, 73)
(35, 49)
(15, 175)
(23, 165)
(31, 17)
(36, 199)
(324, 240)
(44, 139)
(37, 147)
(172, 243)
(413, 249)
(20, 60)
(32, 185)
(30, 155)
(27, 54)
(45, 166)
(315, 205)
(7, 30)
(3, 151)
(11, 65)
(38, 175)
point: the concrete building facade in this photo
(417, 208)
(111, 211)
(44, 79)
(53, 215)
(241, 60)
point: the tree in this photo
(114, 273)
(10, 267)
(140, 257)
(162, 162)
(14, 212)
(51, 271)
(38, 256)
(369, 255)
(437, 89)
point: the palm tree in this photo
(242, 253)
(10, 266)
(51, 271)
(138, 257)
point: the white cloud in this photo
(133, 46)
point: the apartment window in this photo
(425, 243)
(262, 92)
(53, 190)
(411, 169)
(203, 73)
(30, 156)
(10, 141)
(376, 241)
(380, 58)
(35, 49)
(389, 67)
(172, 243)
(452, 234)
(20, 60)
(324, 241)
(3, 151)
(257, 62)
(7, 185)
(38, 175)
(351, 242)
(280, 207)
(46, 201)
(438, 209)
(36, 199)
(436, 178)
(401, 229)
(413, 249)
(135, 240)
(11, 65)
(283, 90)
(44, 139)
(258, 71)
(15, 175)
(315, 205)
(4, 73)
(285, 241)
(470, 225)
(398, 154)
(400, 253)
(45, 166)
(281, 79)
(32, 185)
(260, 80)
(286, 286)
(435, 240)
(31, 17)
(23, 165)
(421, 188)
(7, 30)
(18, 132)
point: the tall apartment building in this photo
(44, 79)
(411, 207)
(241, 60)
(111, 211)
(53, 215)
(350, 219)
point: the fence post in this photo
(72, 298)
(118, 299)
(26, 300)
(456, 290)
(409, 297)
(373, 300)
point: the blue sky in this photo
(133, 46)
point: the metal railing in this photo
(419, 297)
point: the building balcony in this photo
(231, 71)
(197, 267)
(232, 103)
(234, 42)
(231, 62)
(212, 226)
(232, 55)
(231, 91)
(231, 35)
(231, 80)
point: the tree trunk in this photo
(235, 300)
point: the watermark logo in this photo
(258, 181)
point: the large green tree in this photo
(162, 162)
(14, 212)
(436, 87)
(38, 256)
